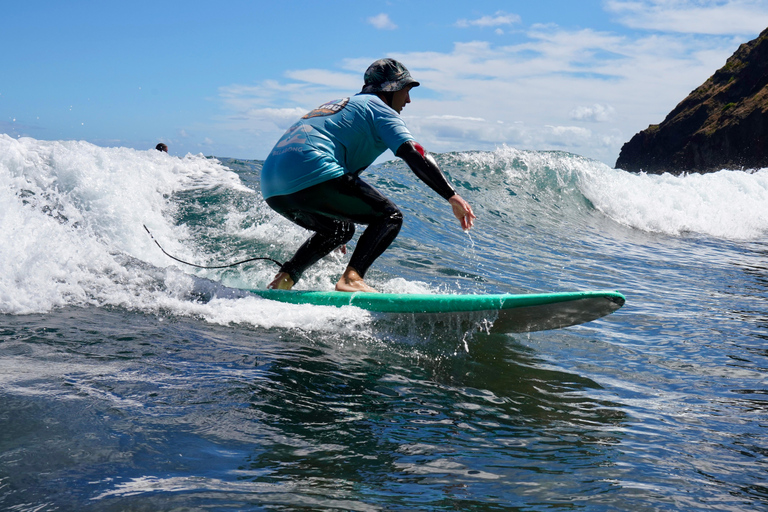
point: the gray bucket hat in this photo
(387, 75)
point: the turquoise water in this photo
(131, 382)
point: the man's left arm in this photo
(425, 167)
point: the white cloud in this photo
(382, 22)
(326, 78)
(457, 118)
(570, 131)
(450, 133)
(304, 90)
(583, 91)
(716, 17)
(239, 97)
(498, 19)
(282, 118)
(625, 82)
(596, 113)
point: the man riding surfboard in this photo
(312, 175)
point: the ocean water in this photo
(129, 381)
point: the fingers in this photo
(463, 212)
(469, 218)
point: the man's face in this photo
(401, 98)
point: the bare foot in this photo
(282, 281)
(352, 282)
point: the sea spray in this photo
(727, 204)
(724, 204)
(72, 233)
(72, 221)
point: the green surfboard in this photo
(507, 312)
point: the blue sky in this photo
(227, 78)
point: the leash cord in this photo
(202, 266)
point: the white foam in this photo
(72, 216)
(725, 204)
(71, 234)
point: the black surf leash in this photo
(201, 266)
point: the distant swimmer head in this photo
(162, 147)
(387, 75)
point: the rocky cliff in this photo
(723, 124)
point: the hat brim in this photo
(392, 86)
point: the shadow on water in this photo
(432, 425)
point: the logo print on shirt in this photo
(328, 109)
(293, 136)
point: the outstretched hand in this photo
(462, 211)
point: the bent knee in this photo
(345, 233)
(395, 217)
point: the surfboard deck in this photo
(508, 312)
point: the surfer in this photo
(312, 175)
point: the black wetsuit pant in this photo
(331, 209)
